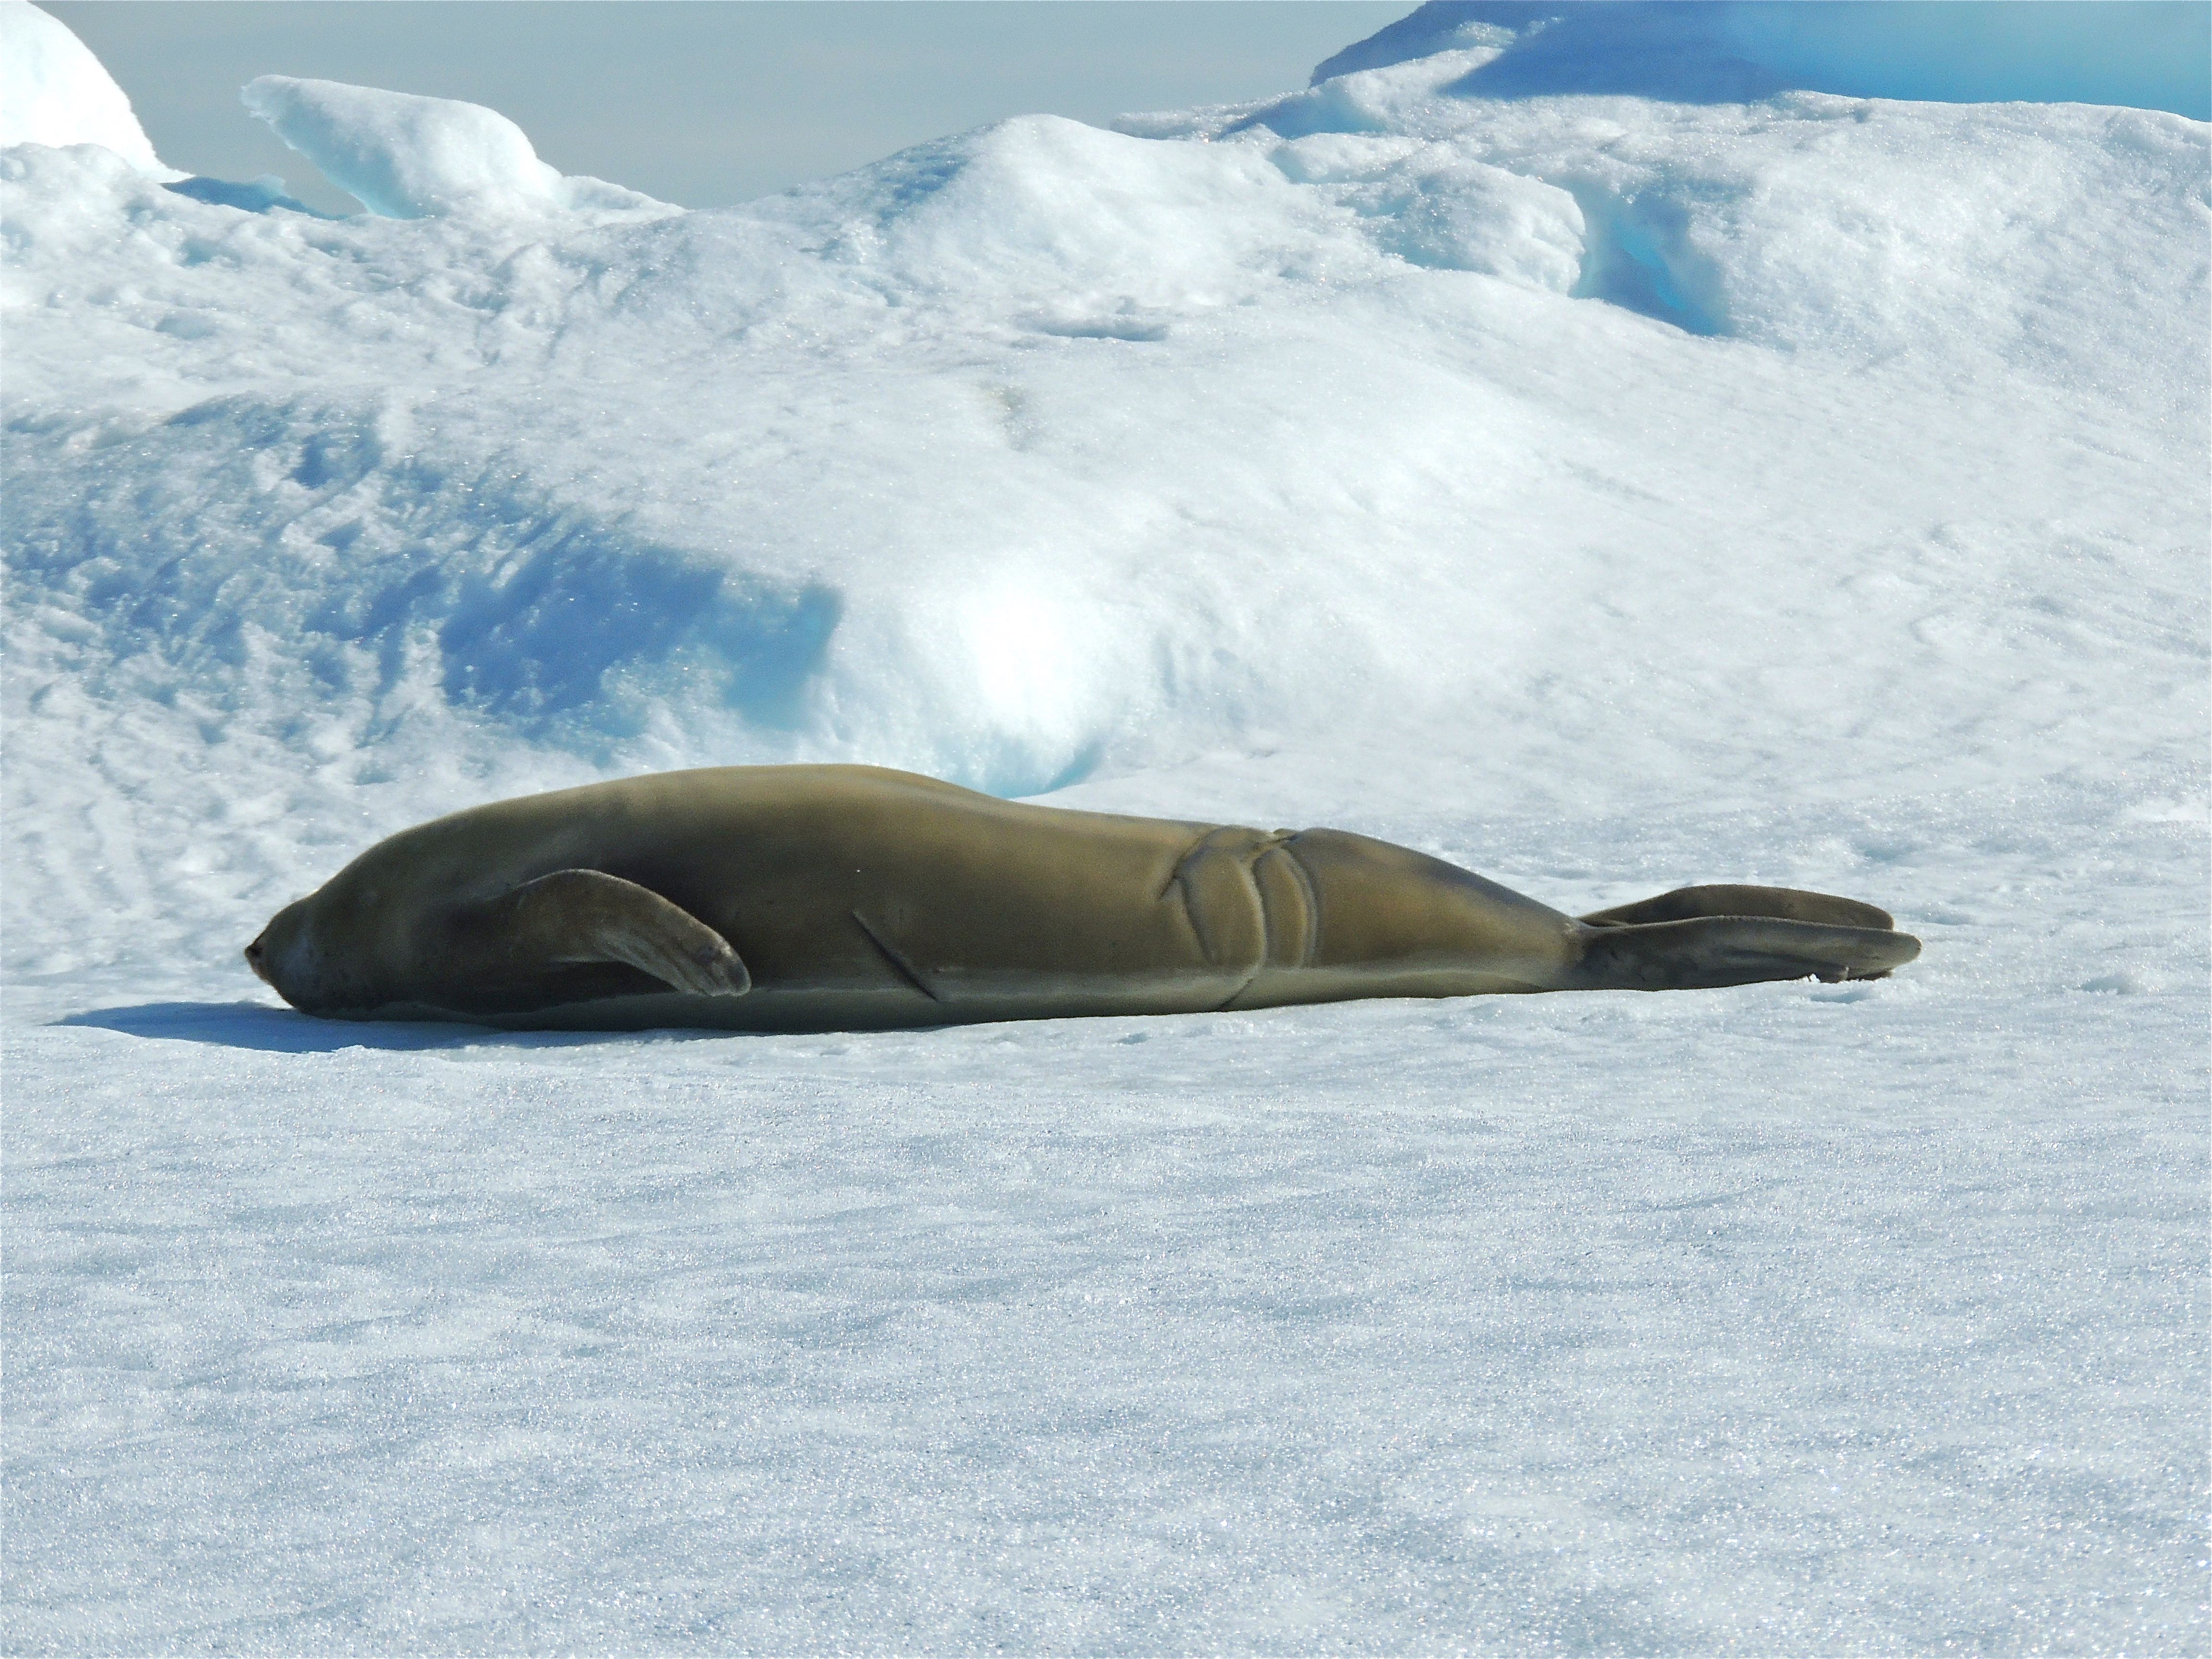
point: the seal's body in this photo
(807, 898)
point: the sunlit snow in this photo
(1605, 488)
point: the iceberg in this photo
(409, 157)
(2151, 54)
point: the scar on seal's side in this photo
(810, 898)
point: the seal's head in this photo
(295, 955)
(329, 953)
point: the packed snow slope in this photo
(1800, 449)
(1603, 491)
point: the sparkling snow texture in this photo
(1602, 492)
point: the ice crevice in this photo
(1636, 256)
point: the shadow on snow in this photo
(288, 1031)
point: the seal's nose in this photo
(253, 959)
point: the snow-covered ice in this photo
(1604, 491)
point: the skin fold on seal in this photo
(814, 898)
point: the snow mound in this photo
(53, 91)
(409, 157)
(2151, 54)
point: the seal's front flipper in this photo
(1707, 951)
(588, 915)
(1786, 903)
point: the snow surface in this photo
(1603, 493)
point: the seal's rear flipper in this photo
(1786, 903)
(1708, 951)
(588, 915)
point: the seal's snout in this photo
(256, 954)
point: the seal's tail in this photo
(1696, 938)
(1783, 903)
